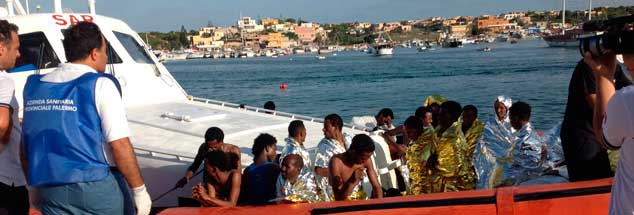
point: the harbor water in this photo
(356, 83)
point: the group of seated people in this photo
(445, 148)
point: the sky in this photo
(169, 15)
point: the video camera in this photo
(614, 34)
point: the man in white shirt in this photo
(97, 152)
(13, 193)
(613, 117)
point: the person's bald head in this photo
(291, 167)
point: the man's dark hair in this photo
(521, 110)
(435, 104)
(299, 161)
(413, 122)
(453, 108)
(81, 39)
(362, 143)
(5, 31)
(261, 142)
(269, 105)
(335, 120)
(295, 127)
(221, 160)
(421, 111)
(214, 133)
(386, 112)
(470, 108)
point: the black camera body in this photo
(609, 35)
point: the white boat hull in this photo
(385, 51)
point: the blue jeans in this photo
(97, 197)
(129, 208)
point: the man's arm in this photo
(603, 69)
(200, 155)
(5, 125)
(126, 161)
(236, 150)
(371, 173)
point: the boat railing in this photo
(262, 110)
(156, 153)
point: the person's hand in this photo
(358, 174)
(142, 200)
(183, 181)
(603, 66)
(211, 191)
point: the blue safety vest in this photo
(62, 131)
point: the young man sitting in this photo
(451, 171)
(224, 188)
(493, 150)
(259, 177)
(334, 142)
(296, 183)
(529, 153)
(417, 153)
(348, 169)
(295, 142)
(214, 141)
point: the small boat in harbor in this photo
(565, 38)
(485, 49)
(383, 45)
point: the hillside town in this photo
(277, 36)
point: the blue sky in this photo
(166, 15)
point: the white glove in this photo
(142, 200)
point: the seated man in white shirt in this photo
(613, 116)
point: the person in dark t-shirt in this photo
(585, 158)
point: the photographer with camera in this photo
(613, 113)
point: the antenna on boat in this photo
(590, 10)
(15, 8)
(91, 6)
(563, 19)
(57, 6)
(28, 10)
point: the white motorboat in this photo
(383, 45)
(166, 123)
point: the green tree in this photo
(290, 20)
(182, 37)
(291, 35)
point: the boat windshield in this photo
(35, 53)
(136, 51)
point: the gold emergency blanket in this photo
(416, 156)
(453, 171)
(303, 190)
(438, 99)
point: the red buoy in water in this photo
(283, 86)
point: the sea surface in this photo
(356, 83)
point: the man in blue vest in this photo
(13, 193)
(76, 133)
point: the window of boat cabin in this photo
(35, 53)
(136, 51)
(113, 57)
